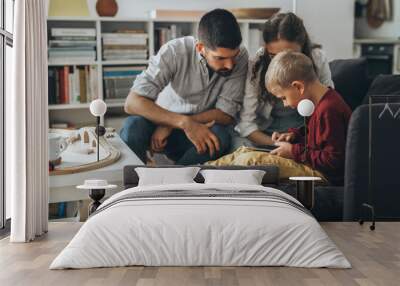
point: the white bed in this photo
(248, 225)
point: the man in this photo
(189, 94)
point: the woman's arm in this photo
(248, 115)
(323, 69)
(260, 138)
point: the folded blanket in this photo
(246, 156)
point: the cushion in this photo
(384, 85)
(163, 176)
(248, 177)
(351, 79)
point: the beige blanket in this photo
(246, 156)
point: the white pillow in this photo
(165, 176)
(248, 177)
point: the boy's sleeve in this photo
(298, 134)
(331, 140)
(158, 74)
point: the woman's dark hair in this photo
(281, 26)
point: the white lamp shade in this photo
(305, 107)
(98, 107)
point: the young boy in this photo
(291, 77)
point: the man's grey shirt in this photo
(178, 79)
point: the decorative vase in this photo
(106, 8)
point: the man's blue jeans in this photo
(137, 131)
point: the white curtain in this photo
(27, 124)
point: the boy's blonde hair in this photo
(287, 67)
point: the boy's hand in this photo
(284, 150)
(159, 138)
(283, 137)
(201, 136)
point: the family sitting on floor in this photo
(195, 91)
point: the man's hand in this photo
(284, 150)
(283, 137)
(159, 138)
(201, 136)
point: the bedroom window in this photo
(6, 44)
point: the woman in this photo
(262, 114)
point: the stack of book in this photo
(125, 45)
(72, 45)
(118, 81)
(164, 34)
(73, 84)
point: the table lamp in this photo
(305, 109)
(98, 108)
(305, 185)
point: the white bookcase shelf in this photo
(78, 113)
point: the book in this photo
(75, 86)
(52, 85)
(70, 60)
(57, 87)
(72, 53)
(73, 38)
(121, 73)
(72, 43)
(121, 41)
(125, 47)
(84, 32)
(71, 88)
(93, 82)
(87, 76)
(125, 68)
(59, 125)
(72, 84)
(125, 35)
(82, 85)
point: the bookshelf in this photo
(77, 113)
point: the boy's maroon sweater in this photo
(326, 138)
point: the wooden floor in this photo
(375, 257)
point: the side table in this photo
(97, 190)
(305, 190)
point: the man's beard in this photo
(224, 72)
(221, 72)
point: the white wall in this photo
(387, 30)
(135, 8)
(331, 24)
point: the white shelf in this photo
(123, 62)
(84, 105)
(70, 18)
(251, 21)
(68, 106)
(83, 63)
(104, 19)
(180, 20)
(115, 103)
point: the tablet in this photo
(264, 148)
